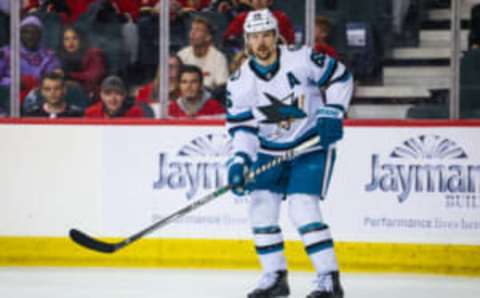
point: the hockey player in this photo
(278, 99)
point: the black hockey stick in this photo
(105, 247)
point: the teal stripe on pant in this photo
(263, 250)
(319, 246)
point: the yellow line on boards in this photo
(240, 254)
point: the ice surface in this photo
(142, 283)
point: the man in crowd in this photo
(194, 100)
(54, 104)
(235, 28)
(205, 55)
(322, 32)
(35, 60)
(114, 102)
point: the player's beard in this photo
(263, 53)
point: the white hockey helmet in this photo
(260, 20)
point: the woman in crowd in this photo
(148, 94)
(81, 63)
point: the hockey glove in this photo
(329, 125)
(239, 167)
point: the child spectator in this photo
(205, 55)
(322, 32)
(114, 102)
(55, 105)
(234, 32)
(194, 101)
(80, 62)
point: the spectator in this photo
(237, 61)
(80, 62)
(29, 6)
(205, 55)
(322, 32)
(148, 94)
(35, 61)
(74, 93)
(114, 102)
(130, 7)
(194, 100)
(234, 32)
(231, 8)
(179, 24)
(55, 105)
(194, 5)
(104, 24)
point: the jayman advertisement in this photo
(151, 172)
(407, 185)
(419, 185)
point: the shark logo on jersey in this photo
(281, 113)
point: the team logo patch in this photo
(282, 111)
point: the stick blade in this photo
(91, 243)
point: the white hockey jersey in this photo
(273, 110)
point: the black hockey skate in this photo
(272, 285)
(328, 286)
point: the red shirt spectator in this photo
(98, 110)
(325, 48)
(113, 102)
(194, 5)
(131, 7)
(148, 93)
(322, 32)
(210, 107)
(80, 62)
(235, 28)
(194, 101)
(27, 83)
(29, 6)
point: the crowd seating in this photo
(396, 76)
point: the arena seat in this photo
(470, 83)
(4, 29)
(4, 99)
(428, 111)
